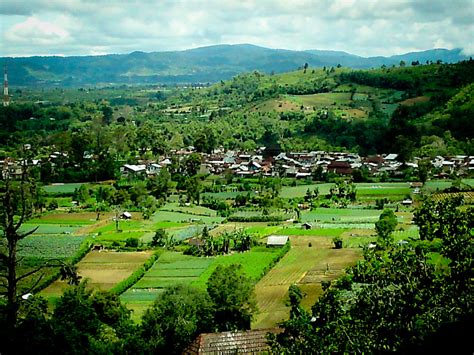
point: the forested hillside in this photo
(200, 65)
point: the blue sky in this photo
(363, 27)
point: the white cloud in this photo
(37, 32)
(364, 27)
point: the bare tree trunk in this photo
(12, 301)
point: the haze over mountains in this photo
(203, 65)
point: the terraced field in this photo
(103, 269)
(305, 266)
(171, 268)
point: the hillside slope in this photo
(206, 64)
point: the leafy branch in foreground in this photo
(398, 298)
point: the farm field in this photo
(302, 265)
(384, 189)
(50, 246)
(79, 218)
(167, 216)
(340, 215)
(170, 268)
(62, 188)
(197, 210)
(103, 269)
(173, 268)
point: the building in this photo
(277, 240)
(239, 342)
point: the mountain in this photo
(205, 64)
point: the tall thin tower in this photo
(6, 97)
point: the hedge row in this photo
(124, 285)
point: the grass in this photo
(388, 189)
(345, 215)
(317, 232)
(324, 99)
(253, 263)
(305, 266)
(62, 188)
(193, 209)
(167, 216)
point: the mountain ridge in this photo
(202, 64)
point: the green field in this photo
(341, 215)
(253, 263)
(50, 246)
(378, 190)
(62, 188)
(49, 228)
(194, 209)
(166, 216)
(171, 268)
(324, 99)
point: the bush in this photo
(132, 242)
(337, 242)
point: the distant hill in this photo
(205, 64)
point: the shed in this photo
(306, 225)
(126, 215)
(277, 240)
(407, 202)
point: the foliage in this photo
(395, 299)
(175, 319)
(385, 227)
(232, 294)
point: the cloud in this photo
(364, 27)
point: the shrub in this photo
(337, 242)
(132, 242)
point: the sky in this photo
(362, 27)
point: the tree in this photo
(397, 299)
(424, 167)
(88, 322)
(175, 319)
(232, 295)
(15, 207)
(385, 227)
(192, 164)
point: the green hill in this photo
(207, 64)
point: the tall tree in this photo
(232, 294)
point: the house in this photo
(153, 169)
(391, 157)
(237, 342)
(277, 240)
(131, 170)
(126, 215)
(407, 202)
(306, 225)
(340, 167)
